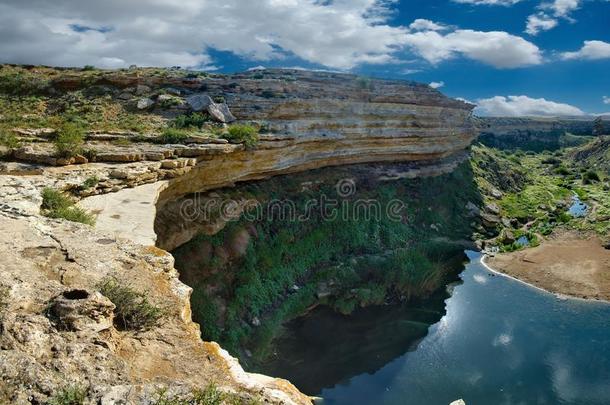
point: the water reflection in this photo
(346, 346)
(500, 342)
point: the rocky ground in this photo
(59, 332)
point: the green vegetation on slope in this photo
(345, 262)
(537, 190)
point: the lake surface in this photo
(491, 341)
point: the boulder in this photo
(199, 102)
(142, 89)
(508, 237)
(221, 113)
(495, 193)
(145, 103)
(82, 310)
(80, 159)
(490, 220)
(492, 208)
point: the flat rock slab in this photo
(127, 214)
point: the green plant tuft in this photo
(133, 309)
(590, 176)
(9, 140)
(246, 134)
(56, 204)
(72, 395)
(90, 182)
(173, 136)
(69, 140)
(193, 120)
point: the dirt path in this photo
(567, 263)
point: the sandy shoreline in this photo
(567, 264)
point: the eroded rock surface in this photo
(57, 330)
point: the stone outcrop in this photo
(57, 330)
(315, 119)
(533, 132)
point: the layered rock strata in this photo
(315, 119)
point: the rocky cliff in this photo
(535, 133)
(58, 330)
(317, 119)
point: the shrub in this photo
(90, 182)
(88, 67)
(9, 140)
(56, 204)
(69, 140)
(246, 134)
(173, 135)
(590, 176)
(211, 395)
(562, 170)
(73, 395)
(54, 200)
(21, 83)
(193, 120)
(133, 309)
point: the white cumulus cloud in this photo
(496, 48)
(590, 50)
(338, 34)
(513, 106)
(561, 8)
(606, 100)
(437, 85)
(549, 15)
(422, 24)
(540, 22)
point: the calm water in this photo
(578, 208)
(493, 341)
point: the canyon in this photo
(306, 120)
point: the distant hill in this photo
(535, 133)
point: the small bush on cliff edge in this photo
(133, 309)
(246, 134)
(56, 204)
(173, 136)
(69, 140)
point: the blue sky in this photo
(551, 56)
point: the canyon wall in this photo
(319, 119)
(535, 133)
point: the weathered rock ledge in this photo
(323, 119)
(57, 330)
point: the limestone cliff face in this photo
(317, 119)
(535, 132)
(57, 331)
